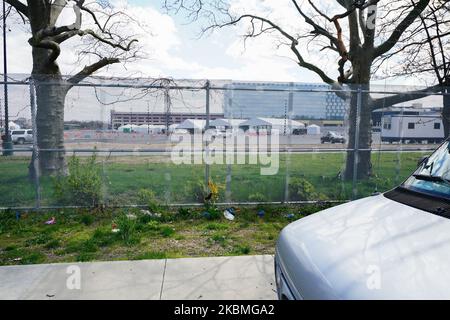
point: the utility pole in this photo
(285, 117)
(1, 115)
(7, 143)
(167, 107)
(148, 117)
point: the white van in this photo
(390, 246)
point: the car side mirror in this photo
(422, 160)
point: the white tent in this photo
(159, 128)
(192, 124)
(128, 128)
(142, 128)
(282, 125)
(150, 128)
(173, 127)
(313, 129)
(13, 126)
(224, 124)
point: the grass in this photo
(86, 235)
(28, 240)
(125, 176)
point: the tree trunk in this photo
(51, 91)
(446, 112)
(50, 97)
(361, 70)
(364, 139)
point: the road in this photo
(138, 144)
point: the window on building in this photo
(411, 125)
(437, 125)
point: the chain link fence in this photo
(128, 142)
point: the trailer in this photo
(412, 128)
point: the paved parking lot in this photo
(247, 277)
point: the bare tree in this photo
(349, 32)
(103, 43)
(425, 53)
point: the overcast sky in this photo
(173, 49)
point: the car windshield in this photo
(433, 175)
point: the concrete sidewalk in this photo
(247, 277)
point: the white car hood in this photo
(373, 248)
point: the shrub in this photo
(193, 191)
(41, 238)
(103, 237)
(153, 225)
(33, 258)
(184, 212)
(53, 244)
(85, 256)
(302, 189)
(167, 231)
(87, 219)
(127, 229)
(82, 185)
(256, 197)
(218, 238)
(216, 226)
(214, 212)
(148, 198)
(242, 249)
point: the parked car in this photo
(332, 137)
(299, 131)
(394, 245)
(22, 136)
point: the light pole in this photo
(7, 143)
(148, 118)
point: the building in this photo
(250, 100)
(154, 118)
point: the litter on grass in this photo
(151, 214)
(206, 214)
(51, 221)
(114, 228)
(229, 214)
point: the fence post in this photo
(229, 173)
(288, 131)
(207, 88)
(35, 155)
(398, 164)
(356, 146)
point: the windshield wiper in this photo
(426, 177)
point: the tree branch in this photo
(403, 25)
(56, 9)
(19, 6)
(403, 97)
(293, 44)
(317, 29)
(50, 45)
(89, 70)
